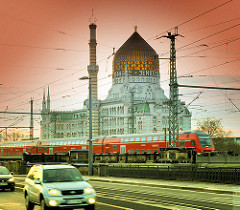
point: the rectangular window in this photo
(149, 151)
(155, 150)
(122, 140)
(126, 140)
(142, 151)
(137, 139)
(193, 142)
(182, 143)
(137, 151)
(132, 139)
(131, 151)
(114, 146)
(69, 142)
(155, 138)
(143, 139)
(149, 138)
(45, 149)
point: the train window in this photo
(77, 142)
(61, 142)
(155, 150)
(142, 151)
(122, 140)
(81, 142)
(137, 151)
(53, 143)
(137, 139)
(132, 139)
(149, 138)
(126, 140)
(193, 142)
(131, 151)
(155, 138)
(114, 146)
(143, 139)
(39, 149)
(73, 142)
(57, 143)
(69, 142)
(45, 149)
(149, 151)
(29, 149)
(182, 143)
(65, 142)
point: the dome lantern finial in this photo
(135, 28)
(92, 19)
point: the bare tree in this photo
(213, 127)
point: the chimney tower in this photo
(93, 69)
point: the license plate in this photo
(74, 201)
(3, 183)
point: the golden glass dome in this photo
(138, 56)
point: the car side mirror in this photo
(37, 181)
(85, 179)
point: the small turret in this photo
(48, 101)
(43, 102)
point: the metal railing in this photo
(188, 173)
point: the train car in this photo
(132, 144)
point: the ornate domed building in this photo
(135, 103)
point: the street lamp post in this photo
(90, 147)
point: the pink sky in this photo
(46, 43)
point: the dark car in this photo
(7, 180)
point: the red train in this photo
(133, 143)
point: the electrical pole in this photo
(173, 98)
(132, 113)
(31, 120)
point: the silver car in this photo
(60, 186)
(6, 179)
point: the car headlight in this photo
(53, 192)
(89, 190)
(11, 179)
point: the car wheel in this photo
(90, 207)
(12, 188)
(43, 205)
(29, 205)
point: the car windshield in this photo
(4, 171)
(61, 175)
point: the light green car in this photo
(58, 186)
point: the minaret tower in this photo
(92, 74)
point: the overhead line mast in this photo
(173, 93)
